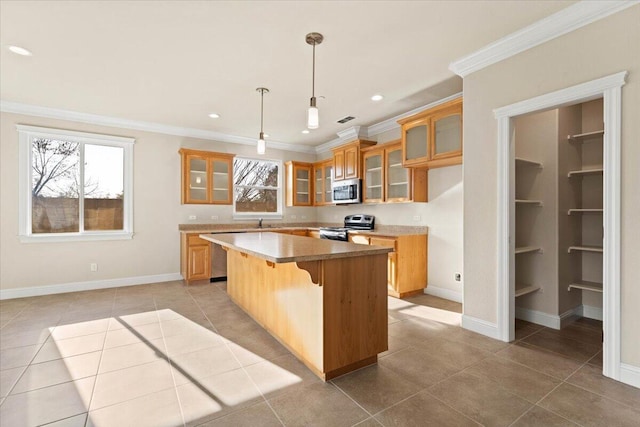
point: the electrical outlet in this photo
(93, 267)
(417, 217)
(458, 277)
(192, 217)
(214, 217)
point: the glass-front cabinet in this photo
(322, 182)
(207, 177)
(386, 180)
(299, 183)
(433, 138)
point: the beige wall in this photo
(154, 249)
(599, 49)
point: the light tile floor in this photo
(170, 355)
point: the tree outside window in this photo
(256, 186)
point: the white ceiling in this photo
(174, 62)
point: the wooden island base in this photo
(331, 313)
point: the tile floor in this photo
(169, 355)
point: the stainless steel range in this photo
(351, 222)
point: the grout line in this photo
(448, 405)
(351, 398)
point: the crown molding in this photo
(95, 119)
(378, 128)
(569, 19)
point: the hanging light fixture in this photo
(313, 120)
(262, 146)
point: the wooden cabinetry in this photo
(406, 265)
(207, 177)
(346, 159)
(322, 183)
(433, 138)
(299, 183)
(195, 258)
(386, 180)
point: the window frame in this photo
(256, 215)
(26, 134)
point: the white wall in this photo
(153, 253)
(603, 48)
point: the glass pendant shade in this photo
(262, 146)
(313, 119)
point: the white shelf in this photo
(221, 173)
(578, 211)
(197, 188)
(220, 189)
(395, 165)
(398, 183)
(379, 168)
(585, 172)
(528, 202)
(374, 186)
(194, 171)
(528, 162)
(524, 290)
(585, 249)
(583, 136)
(302, 179)
(587, 286)
(527, 249)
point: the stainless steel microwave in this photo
(346, 191)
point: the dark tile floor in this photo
(170, 355)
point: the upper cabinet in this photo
(346, 159)
(207, 177)
(322, 182)
(386, 180)
(299, 183)
(433, 138)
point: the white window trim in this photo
(265, 215)
(25, 138)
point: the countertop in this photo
(380, 230)
(281, 248)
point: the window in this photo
(256, 188)
(74, 185)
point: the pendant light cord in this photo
(261, 110)
(313, 72)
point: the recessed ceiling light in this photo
(305, 131)
(377, 98)
(214, 115)
(20, 50)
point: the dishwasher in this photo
(219, 260)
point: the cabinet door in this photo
(415, 142)
(198, 262)
(373, 180)
(397, 178)
(196, 179)
(338, 165)
(351, 163)
(302, 185)
(328, 194)
(447, 134)
(318, 181)
(222, 181)
(392, 272)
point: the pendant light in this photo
(313, 120)
(262, 146)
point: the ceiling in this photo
(174, 62)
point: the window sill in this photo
(75, 237)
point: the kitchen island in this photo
(326, 301)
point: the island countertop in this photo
(282, 248)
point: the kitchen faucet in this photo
(259, 222)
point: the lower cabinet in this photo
(406, 265)
(195, 258)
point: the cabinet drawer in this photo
(382, 241)
(195, 240)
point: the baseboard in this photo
(86, 286)
(480, 326)
(630, 374)
(538, 317)
(445, 293)
(591, 312)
